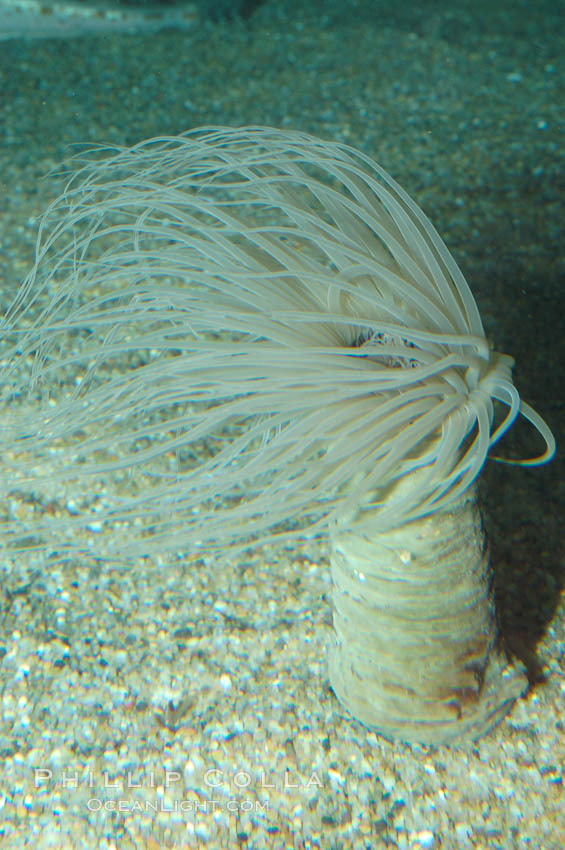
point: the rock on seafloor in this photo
(45, 19)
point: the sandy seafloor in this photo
(204, 667)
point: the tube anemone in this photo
(271, 331)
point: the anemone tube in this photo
(268, 332)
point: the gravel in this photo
(189, 706)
